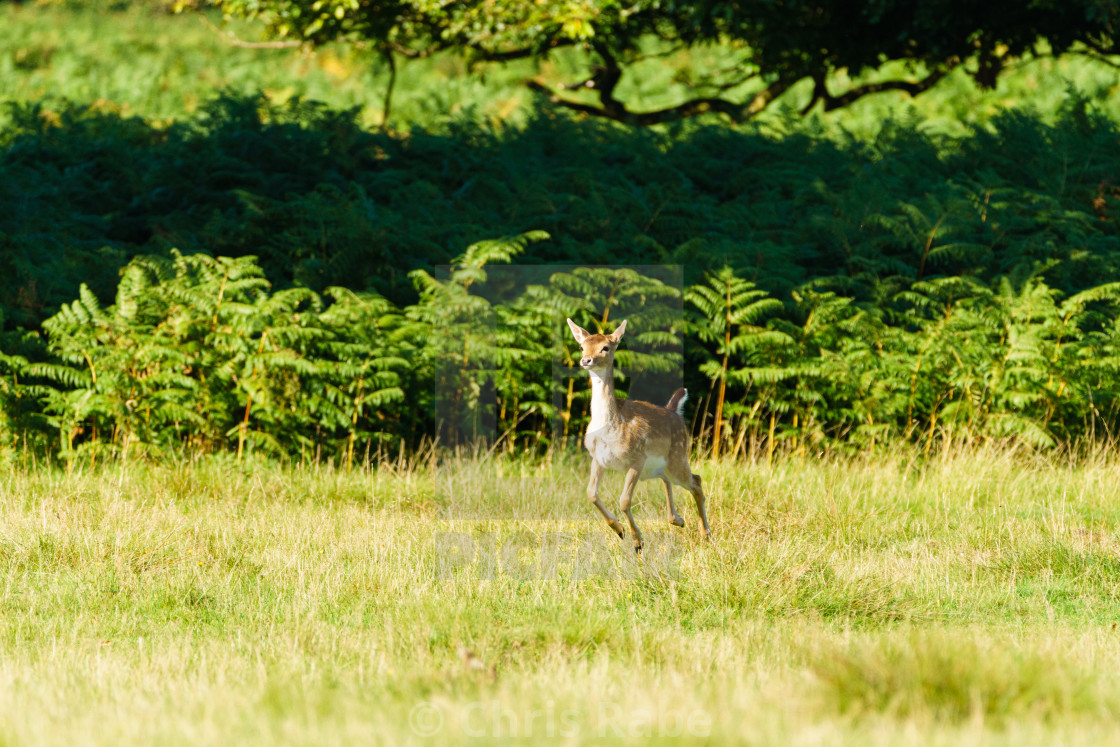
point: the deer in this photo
(641, 439)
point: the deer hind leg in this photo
(698, 493)
(673, 516)
(593, 495)
(624, 504)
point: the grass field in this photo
(134, 59)
(971, 600)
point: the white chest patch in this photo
(605, 450)
(598, 420)
(600, 396)
(604, 454)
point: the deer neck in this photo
(604, 406)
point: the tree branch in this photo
(677, 47)
(410, 53)
(510, 54)
(389, 88)
(613, 109)
(474, 46)
(605, 79)
(1098, 54)
(820, 91)
(233, 40)
(1102, 46)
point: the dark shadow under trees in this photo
(322, 203)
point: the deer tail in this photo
(676, 402)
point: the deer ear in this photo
(578, 332)
(617, 334)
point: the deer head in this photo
(597, 350)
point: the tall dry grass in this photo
(970, 600)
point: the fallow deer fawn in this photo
(641, 439)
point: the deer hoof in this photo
(638, 547)
(677, 521)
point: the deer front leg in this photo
(624, 504)
(673, 516)
(593, 495)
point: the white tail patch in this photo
(676, 402)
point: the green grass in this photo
(161, 66)
(972, 600)
(968, 600)
(136, 58)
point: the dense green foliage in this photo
(196, 351)
(837, 289)
(775, 44)
(928, 288)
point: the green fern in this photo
(730, 309)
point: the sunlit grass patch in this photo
(859, 602)
(957, 675)
(159, 65)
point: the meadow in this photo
(138, 58)
(886, 568)
(966, 599)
